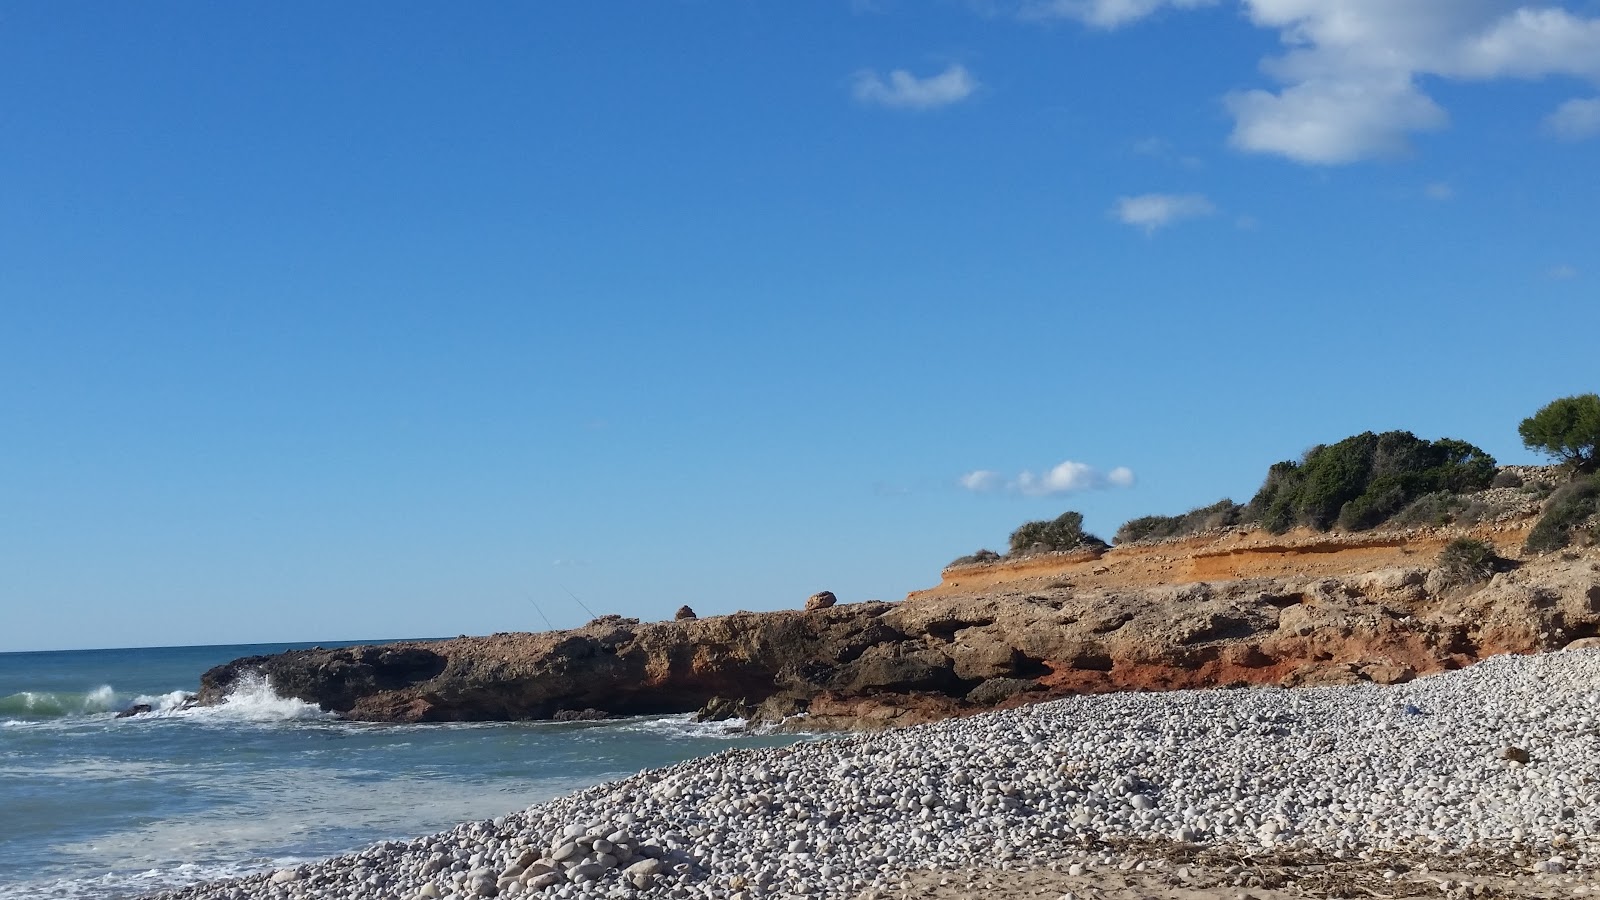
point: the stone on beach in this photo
(1343, 771)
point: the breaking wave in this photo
(252, 700)
(54, 704)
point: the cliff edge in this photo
(1235, 607)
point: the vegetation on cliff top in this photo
(1368, 480)
(1221, 514)
(1364, 480)
(1567, 429)
(1064, 532)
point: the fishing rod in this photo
(577, 601)
(540, 611)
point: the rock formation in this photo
(821, 600)
(684, 612)
(1242, 607)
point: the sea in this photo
(94, 806)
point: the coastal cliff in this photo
(1235, 607)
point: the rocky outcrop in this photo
(821, 600)
(1235, 609)
(684, 612)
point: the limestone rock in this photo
(1245, 608)
(821, 600)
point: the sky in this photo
(363, 320)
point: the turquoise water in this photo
(92, 806)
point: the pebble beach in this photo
(1495, 765)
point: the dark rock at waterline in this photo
(138, 709)
(581, 715)
(721, 709)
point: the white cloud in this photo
(1155, 211)
(1349, 79)
(1351, 69)
(1064, 478)
(982, 480)
(1103, 13)
(1332, 122)
(1574, 120)
(902, 90)
(1562, 272)
(1439, 190)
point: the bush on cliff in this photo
(1467, 561)
(1506, 479)
(1430, 510)
(1364, 480)
(1567, 429)
(1065, 532)
(1196, 521)
(1573, 508)
(982, 556)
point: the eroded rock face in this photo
(945, 653)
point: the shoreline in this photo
(1409, 771)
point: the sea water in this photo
(95, 806)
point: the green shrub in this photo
(1364, 480)
(1467, 561)
(1065, 532)
(1574, 506)
(1430, 510)
(982, 556)
(1200, 519)
(1506, 479)
(1477, 511)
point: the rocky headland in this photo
(1238, 606)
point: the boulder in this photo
(684, 612)
(821, 600)
(721, 709)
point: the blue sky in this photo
(324, 322)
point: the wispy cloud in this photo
(1067, 477)
(1106, 14)
(982, 480)
(1562, 272)
(903, 90)
(1440, 191)
(1574, 120)
(1162, 149)
(1152, 212)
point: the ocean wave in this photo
(251, 700)
(54, 704)
(124, 884)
